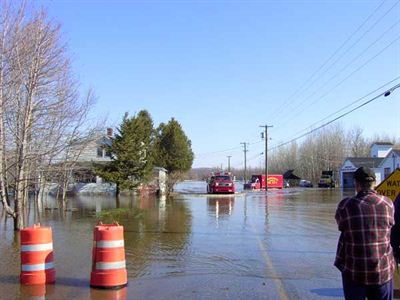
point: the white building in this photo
(390, 163)
(383, 161)
(380, 149)
(94, 149)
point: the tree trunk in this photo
(3, 167)
(117, 191)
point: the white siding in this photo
(380, 150)
(89, 152)
(389, 162)
(378, 175)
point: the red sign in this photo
(275, 181)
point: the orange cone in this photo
(37, 263)
(108, 267)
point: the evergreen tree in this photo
(131, 153)
(173, 151)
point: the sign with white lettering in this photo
(390, 187)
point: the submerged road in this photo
(254, 245)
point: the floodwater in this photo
(279, 245)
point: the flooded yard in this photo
(279, 245)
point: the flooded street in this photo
(253, 245)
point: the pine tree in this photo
(173, 151)
(131, 153)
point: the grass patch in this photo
(118, 214)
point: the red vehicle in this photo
(258, 182)
(221, 182)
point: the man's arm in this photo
(341, 215)
(395, 234)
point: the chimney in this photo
(109, 132)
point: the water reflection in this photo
(40, 291)
(174, 250)
(158, 238)
(220, 206)
(97, 294)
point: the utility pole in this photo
(229, 162)
(266, 154)
(245, 159)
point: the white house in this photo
(390, 163)
(383, 161)
(380, 149)
(93, 150)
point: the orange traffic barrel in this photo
(37, 262)
(108, 265)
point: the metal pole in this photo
(266, 154)
(245, 159)
(229, 163)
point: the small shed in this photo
(160, 179)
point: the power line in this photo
(218, 151)
(347, 77)
(349, 105)
(326, 62)
(225, 150)
(278, 110)
(386, 93)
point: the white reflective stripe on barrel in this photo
(110, 265)
(38, 267)
(37, 247)
(110, 244)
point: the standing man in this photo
(364, 255)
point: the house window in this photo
(108, 153)
(386, 172)
(99, 152)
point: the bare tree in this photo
(44, 113)
(359, 146)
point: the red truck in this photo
(221, 182)
(258, 182)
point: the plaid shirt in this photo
(364, 254)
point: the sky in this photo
(223, 68)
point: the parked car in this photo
(305, 183)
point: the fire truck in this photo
(221, 182)
(258, 182)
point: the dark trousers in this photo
(353, 291)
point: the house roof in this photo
(370, 162)
(382, 143)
